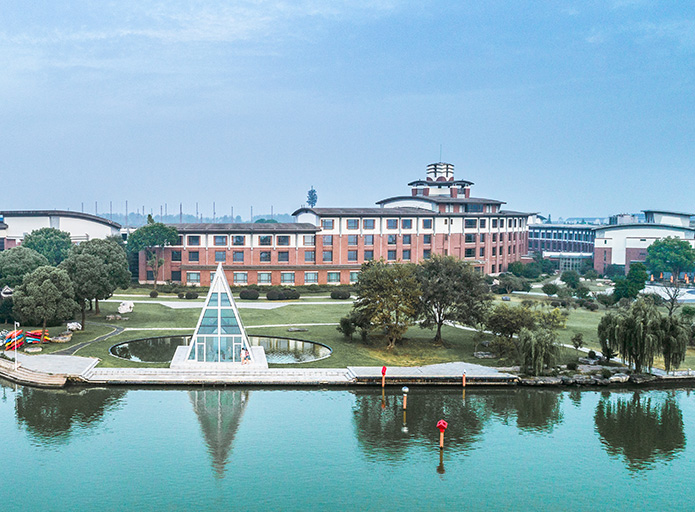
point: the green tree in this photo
(18, 262)
(538, 349)
(532, 270)
(578, 341)
(47, 294)
(88, 275)
(151, 238)
(508, 321)
(636, 333)
(549, 289)
(312, 197)
(671, 255)
(570, 278)
(113, 266)
(51, 243)
(6, 307)
(389, 296)
(675, 335)
(510, 283)
(516, 268)
(452, 291)
(591, 274)
(630, 286)
(346, 327)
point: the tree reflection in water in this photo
(380, 430)
(51, 416)
(644, 428)
(533, 410)
(219, 413)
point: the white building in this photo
(622, 244)
(15, 225)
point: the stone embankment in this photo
(29, 377)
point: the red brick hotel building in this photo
(328, 245)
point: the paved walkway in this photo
(72, 366)
(241, 305)
(72, 350)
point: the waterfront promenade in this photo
(59, 370)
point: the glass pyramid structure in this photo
(220, 336)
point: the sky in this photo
(574, 108)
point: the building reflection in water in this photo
(219, 413)
(642, 428)
(52, 416)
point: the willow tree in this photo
(675, 335)
(635, 333)
(538, 349)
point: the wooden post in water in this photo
(405, 397)
(383, 377)
(463, 379)
(441, 425)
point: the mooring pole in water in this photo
(405, 397)
(463, 379)
(441, 425)
(383, 376)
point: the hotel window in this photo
(193, 256)
(494, 223)
(482, 252)
(407, 239)
(352, 255)
(220, 256)
(469, 238)
(406, 255)
(391, 255)
(483, 222)
(368, 223)
(238, 257)
(368, 239)
(327, 223)
(354, 276)
(283, 256)
(193, 277)
(407, 223)
(470, 253)
(311, 277)
(353, 224)
(309, 240)
(494, 267)
(241, 278)
(494, 237)
(471, 223)
(482, 238)
(220, 240)
(193, 240)
(150, 275)
(287, 277)
(327, 239)
(391, 223)
(392, 239)
(426, 254)
(309, 256)
(368, 255)
(175, 255)
(494, 251)
(179, 240)
(265, 256)
(176, 275)
(283, 240)
(333, 277)
(265, 240)
(327, 256)
(352, 239)
(427, 239)
(239, 240)
(264, 278)
(426, 223)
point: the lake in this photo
(271, 449)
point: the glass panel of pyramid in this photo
(220, 336)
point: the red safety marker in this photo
(464, 379)
(383, 376)
(441, 425)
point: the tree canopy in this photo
(18, 262)
(570, 278)
(88, 275)
(389, 297)
(150, 238)
(51, 243)
(47, 294)
(630, 286)
(672, 255)
(312, 197)
(451, 291)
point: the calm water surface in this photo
(255, 449)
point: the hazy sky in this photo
(574, 108)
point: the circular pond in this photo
(277, 350)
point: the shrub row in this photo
(340, 294)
